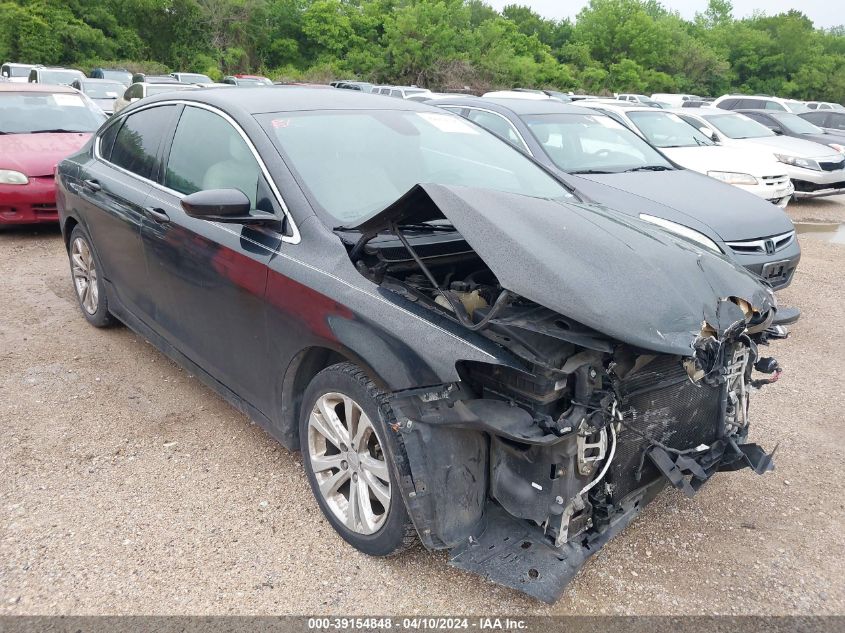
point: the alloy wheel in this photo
(84, 273)
(348, 463)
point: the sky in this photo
(824, 13)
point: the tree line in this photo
(612, 45)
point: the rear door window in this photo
(137, 143)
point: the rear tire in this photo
(342, 428)
(86, 275)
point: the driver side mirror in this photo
(230, 206)
(711, 134)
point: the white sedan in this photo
(754, 171)
(815, 169)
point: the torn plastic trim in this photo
(515, 554)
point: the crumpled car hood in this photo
(617, 275)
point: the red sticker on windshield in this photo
(277, 123)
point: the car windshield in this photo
(102, 90)
(157, 90)
(33, 112)
(579, 143)
(58, 76)
(795, 124)
(356, 163)
(737, 126)
(664, 129)
(194, 78)
(250, 82)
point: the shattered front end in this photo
(524, 474)
(623, 361)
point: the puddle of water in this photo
(825, 231)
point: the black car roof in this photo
(519, 106)
(259, 100)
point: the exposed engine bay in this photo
(523, 469)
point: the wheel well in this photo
(67, 229)
(302, 369)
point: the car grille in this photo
(662, 403)
(832, 165)
(775, 181)
(768, 245)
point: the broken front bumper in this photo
(482, 479)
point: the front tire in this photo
(86, 273)
(342, 429)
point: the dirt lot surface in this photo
(128, 487)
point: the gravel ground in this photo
(127, 487)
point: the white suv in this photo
(824, 105)
(759, 102)
(636, 99)
(17, 73)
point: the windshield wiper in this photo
(592, 171)
(413, 227)
(58, 130)
(649, 168)
(428, 227)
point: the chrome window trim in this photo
(503, 117)
(293, 238)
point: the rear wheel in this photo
(342, 429)
(86, 273)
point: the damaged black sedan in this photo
(463, 350)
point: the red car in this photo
(39, 126)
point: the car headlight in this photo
(806, 163)
(9, 177)
(683, 231)
(839, 148)
(733, 178)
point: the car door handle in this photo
(92, 185)
(158, 215)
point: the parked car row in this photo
(470, 344)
